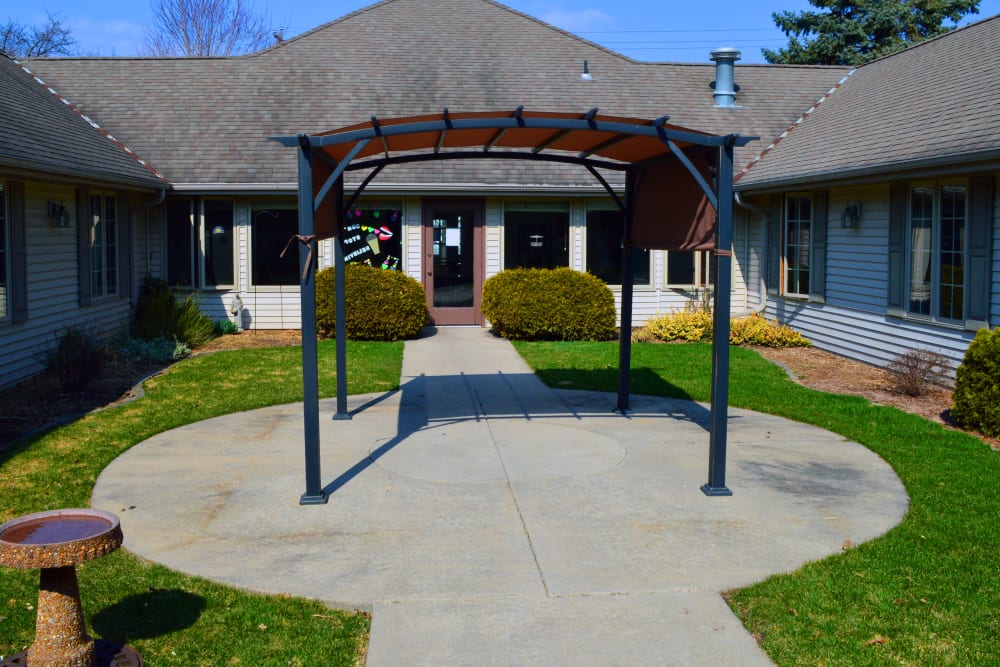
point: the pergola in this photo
(678, 196)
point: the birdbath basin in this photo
(55, 542)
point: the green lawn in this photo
(170, 618)
(927, 593)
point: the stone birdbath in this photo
(55, 542)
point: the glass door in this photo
(453, 261)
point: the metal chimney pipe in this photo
(725, 68)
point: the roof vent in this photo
(586, 75)
(725, 69)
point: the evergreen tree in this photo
(846, 32)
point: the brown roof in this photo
(206, 120)
(936, 103)
(40, 132)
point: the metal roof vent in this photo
(586, 75)
(725, 69)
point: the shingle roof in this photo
(936, 102)
(207, 120)
(42, 133)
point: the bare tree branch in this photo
(205, 28)
(24, 41)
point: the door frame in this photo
(468, 316)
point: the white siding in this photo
(53, 287)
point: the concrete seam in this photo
(513, 495)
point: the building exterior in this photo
(71, 199)
(230, 204)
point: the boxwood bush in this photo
(977, 385)
(549, 304)
(381, 305)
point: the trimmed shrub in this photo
(75, 359)
(696, 324)
(756, 330)
(913, 372)
(977, 385)
(549, 304)
(690, 324)
(381, 304)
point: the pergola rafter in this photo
(659, 214)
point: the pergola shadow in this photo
(429, 402)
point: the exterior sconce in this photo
(851, 216)
(535, 240)
(58, 214)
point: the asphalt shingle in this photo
(936, 101)
(206, 120)
(43, 133)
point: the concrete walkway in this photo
(485, 519)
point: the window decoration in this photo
(219, 242)
(373, 236)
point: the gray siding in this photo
(995, 294)
(52, 287)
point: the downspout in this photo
(765, 215)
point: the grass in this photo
(170, 618)
(926, 593)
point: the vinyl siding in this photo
(853, 321)
(53, 289)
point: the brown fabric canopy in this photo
(671, 211)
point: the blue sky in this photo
(661, 30)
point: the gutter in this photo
(988, 160)
(766, 216)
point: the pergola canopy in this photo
(653, 153)
(661, 211)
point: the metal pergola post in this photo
(314, 494)
(723, 258)
(628, 291)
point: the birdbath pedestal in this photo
(55, 542)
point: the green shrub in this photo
(549, 304)
(193, 326)
(75, 359)
(155, 311)
(696, 324)
(226, 328)
(380, 305)
(160, 349)
(756, 330)
(977, 385)
(690, 324)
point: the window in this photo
(936, 251)
(4, 258)
(689, 269)
(604, 249)
(103, 245)
(273, 225)
(374, 236)
(180, 243)
(798, 237)
(220, 246)
(536, 236)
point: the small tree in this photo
(205, 28)
(850, 32)
(23, 41)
